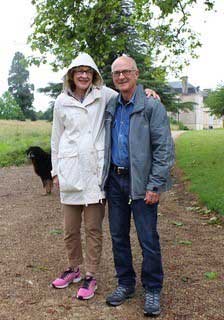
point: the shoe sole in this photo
(118, 303)
(88, 297)
(77, 279)
(67, 284)
(152, 314)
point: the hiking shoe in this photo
(67, 277)
(119, 295)
(86, 291)
(152, 302)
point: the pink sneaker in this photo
(67, 277)
(86, 291)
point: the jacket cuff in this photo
(153, 188)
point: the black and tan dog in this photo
(41, 161)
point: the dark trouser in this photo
(145, 218)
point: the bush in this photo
(179, 124)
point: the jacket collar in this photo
(139, 101)
(93, 95)
(111, 106)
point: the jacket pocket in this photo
(69, 174)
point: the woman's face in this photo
(83, 78)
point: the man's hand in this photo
(151, 197)
(56, 181)
(150, 93)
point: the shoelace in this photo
(152, 298)
(66, 273)
(119, 291)
(86, 282)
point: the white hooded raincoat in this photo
(77, 142)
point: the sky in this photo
(16, 17)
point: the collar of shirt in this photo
(124, 103)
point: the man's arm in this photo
(162, 153)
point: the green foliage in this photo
(215, 101)
(143, 29)
(177, 223)
(52, 90)
(182, 126)
(214, 220)
(9, 109)
(47, 115)
(211, 275)
(62, 28)
(177, 125)
(19, 87)
(56, 231)
(17, 136)
(185, 242)
(201, 156)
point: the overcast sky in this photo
(16, 17)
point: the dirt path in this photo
(32, 254)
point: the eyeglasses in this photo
(126, 73)
(80, 72)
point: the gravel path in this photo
(32, 254)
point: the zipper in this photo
(109, 160)
(131, 196)
(108, 169)
(129, 150)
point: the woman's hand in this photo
(56, 181)
(150, 92)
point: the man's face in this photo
(83, 77)
(124, 75)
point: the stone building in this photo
(199, 118)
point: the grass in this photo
(199, 153)
(201, 156)
(17, 136)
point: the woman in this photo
(77, 146)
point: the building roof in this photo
(177, 87)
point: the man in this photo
(138, 157)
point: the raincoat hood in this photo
(84, 59)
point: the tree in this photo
(143, 29)
(46, 115)
(19, 86)
(131, 45)
(215, 101)
(63, 28)
(52, 90)
(9, 109)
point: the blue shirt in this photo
(120, 132)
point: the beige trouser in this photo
(93, 218)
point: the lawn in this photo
(17, 136)
(201, 156)
(199, 153)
